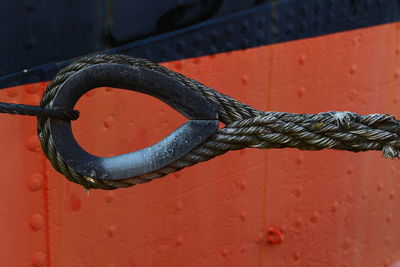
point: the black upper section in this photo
(34, 32)
(43, 36)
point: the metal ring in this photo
(202, 113)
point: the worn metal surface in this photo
(202, 115)
(247, 208)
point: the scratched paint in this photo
(246, 208)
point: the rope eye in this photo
(202, 113)
(198, 140)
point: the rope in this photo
(38, 111)
(245, 127)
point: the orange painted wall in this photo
(246, 208)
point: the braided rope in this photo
(245, 127)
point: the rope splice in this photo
(244, 125)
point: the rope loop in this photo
(244, 127)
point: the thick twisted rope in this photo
(245, 127)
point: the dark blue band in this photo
(192, 30)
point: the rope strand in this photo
(29, 110)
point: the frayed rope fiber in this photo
(244, 127)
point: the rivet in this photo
(298, 191)
(274, 236)
(392, 194)
(224, 252)
(346, 244)
(36, 222)
(389, 218)
(111, 230)
(350, 170)
(364, 195)
(109, 122)
(296, 256)
(32, 88)
(243, 248)
(300, 158)
(300, 91)
(243, 184)
(302, 59)
(33, 143)
(353, 69)
(35, 182)
(12, 92)
(397, 74)
(243, 216)
(39, 259)
(379, 187)
(244, 79)
(335, 206)
(178, 65)
(314, 217)
(196, 60)
(110, 196)
(74, 202)
(178, 241)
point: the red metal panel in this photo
(246, 208)
(23, 222)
